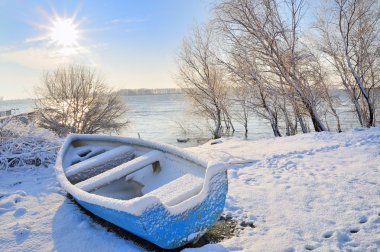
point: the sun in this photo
(64, 32)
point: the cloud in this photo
(127, 20)
(46, 58)
(124, 24)
(6, 48)
(36, 39)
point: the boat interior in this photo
(120, 171)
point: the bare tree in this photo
(273, 29)
(350, 38)
(242, 96)
(201, 78)
(290, 109)
(251, 90)
(73, 99)
(320, 76)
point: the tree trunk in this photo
(232, 126)
(318, 125)
(337, 119)
(358, 110)
(300, 119)
(218, 124)
(246, 129)
(275, 129)
(317, 122)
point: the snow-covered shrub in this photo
(24, 144)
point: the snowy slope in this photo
(36, 216)
(318, 191)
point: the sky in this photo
(131, 43)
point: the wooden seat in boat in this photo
(178, 190)
(98, 160)
(120, 171)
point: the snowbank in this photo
(313, 191)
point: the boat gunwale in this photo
(138, 205)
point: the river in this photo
(167, 117)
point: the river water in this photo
(167, 117)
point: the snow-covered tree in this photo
(274, 34)
(74, 99)
(202, 79)
(350, 38)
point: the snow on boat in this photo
(155, 191)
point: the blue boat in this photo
(155, 191)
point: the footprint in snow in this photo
(6, 206)
(328, 234)
(343, 237)
(289, 250)
(363, 219)
(21, 233)
(354, 230)
(18, 199)
(311, 247)
(8, 201)
(19, 212)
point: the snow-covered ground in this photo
(318, 191)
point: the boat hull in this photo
(164, 229)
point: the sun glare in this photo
(64, 32)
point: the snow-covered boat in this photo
(158, 192)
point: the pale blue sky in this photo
(131, 42)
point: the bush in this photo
(23, 144)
